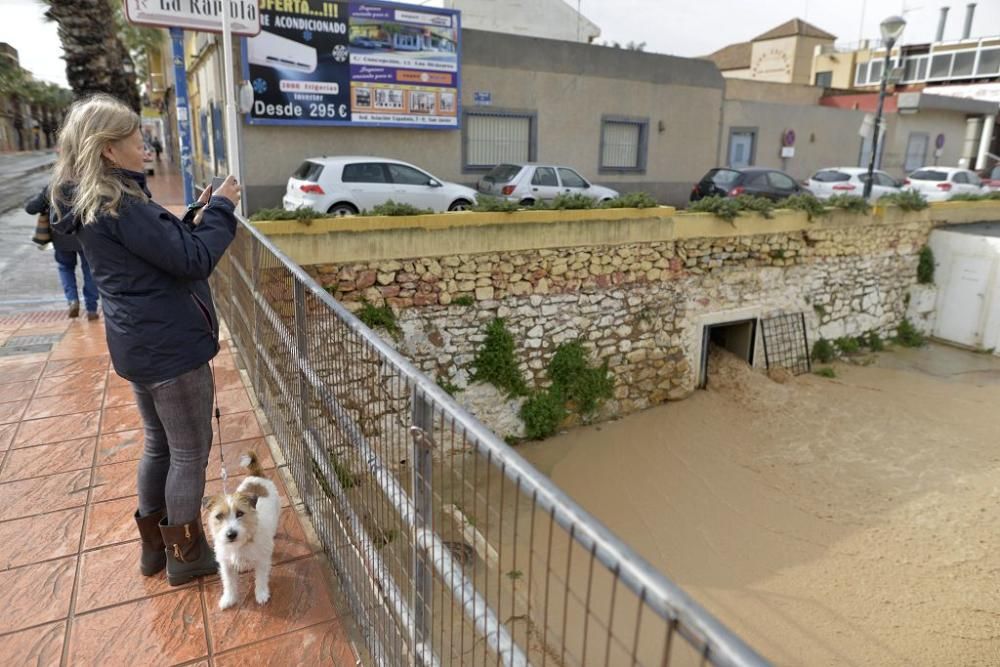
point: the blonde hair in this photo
(84, 179)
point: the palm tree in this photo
(12, 84)
(96, 59)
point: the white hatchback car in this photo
(943, 183)
(528, 183)
(826, 183)
(349, 185)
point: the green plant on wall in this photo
(488, 204)
(379, 317)
(303, 215)
(571, 202)
(813, 207)
(543, 412)
(575, 384)
(464, 300)
(392, 208)
(850, 203)
(450, 387)
(728, 208)
(925, 267)
(908, 200)
(760, 205)
(874, 342)
(823, 351)
(496, 361)
(578, 382)
(908, 336)
(632, 200)
(847, 345)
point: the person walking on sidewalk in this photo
(152, 271)
(67, 253)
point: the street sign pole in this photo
(183, 113)
(232, 119)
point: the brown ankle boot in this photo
(188, 552)
(154, 558)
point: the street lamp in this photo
(892, 28)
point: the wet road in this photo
(28, 279)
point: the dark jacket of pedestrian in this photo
(39, 205)
(153, 269)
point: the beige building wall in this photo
(737, 73)
(802, 68)
(761, 91)
(773, 60)
(841, 65)
(900, 126)
(825, 137)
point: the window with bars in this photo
(623, 144)
(495, 137)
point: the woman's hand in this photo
(229, 189)
(206, 195)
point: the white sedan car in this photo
(349, 185)
(826, 183)
(943, 183)
(529, 183)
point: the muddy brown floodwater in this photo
(852, 521)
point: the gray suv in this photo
(528, 183)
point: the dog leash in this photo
(218, 424)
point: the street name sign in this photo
(200, 15)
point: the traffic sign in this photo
(201, 15)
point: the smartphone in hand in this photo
(217, 183)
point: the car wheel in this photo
(527, 202)
(460, 205)
(343, 209)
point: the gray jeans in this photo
(177, 417)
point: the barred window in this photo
(623, 144)
(498, 137)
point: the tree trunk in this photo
(96, 60)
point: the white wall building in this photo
(550, 19)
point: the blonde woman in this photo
(151, 269)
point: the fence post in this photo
(423, 494)
(254, 273)
(305, 477)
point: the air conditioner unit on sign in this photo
(279, 52)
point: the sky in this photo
(678, 27)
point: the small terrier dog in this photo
(243, 525)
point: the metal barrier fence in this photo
(452, 549)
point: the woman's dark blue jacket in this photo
(152, 271)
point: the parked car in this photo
(851, 181)
(943, 183)
(148, 159)
(991, 179)
(756, 181)
(528, 183)
(348, 185)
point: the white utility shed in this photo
(967, 276)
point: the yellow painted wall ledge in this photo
(357, 238)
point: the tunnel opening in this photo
(736, 337)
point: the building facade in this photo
(783, 54)
(549, 19)
(550, 101)
(967, 68)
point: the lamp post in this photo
(892, 28)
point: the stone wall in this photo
(640, 306)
